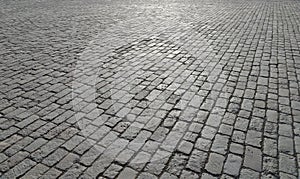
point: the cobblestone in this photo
(73, 172)
(232, 165)
(246, 173)
(270, 166)
(220, 144)
(36, 171)
(67, 161)
(215, 163)
(147, 89)
(287, 164)
(185, 147)
(285, 145)
(19, 169)
(55, 157)
(253, 158)
(52, 173)
(127, 173)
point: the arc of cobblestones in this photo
(121, 89)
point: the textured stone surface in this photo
(149, 89)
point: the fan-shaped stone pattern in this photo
(145, 88)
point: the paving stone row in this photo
(112, 89)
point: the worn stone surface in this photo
(215, 163)
(253, 158)
(232, 165)
(149, 89)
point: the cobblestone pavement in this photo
(149, 89)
